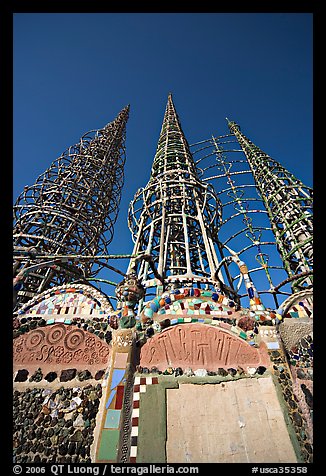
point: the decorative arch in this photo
(298, 305)
(194, 302)
(199, 346)
(68, 299)
(59, 346)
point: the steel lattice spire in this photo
(289, 206)
(175, 217)
(70, 210)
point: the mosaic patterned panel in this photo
(194, 301)
(112, 416)
(66, 303)
(296, 412)
(67, 300)
(301, 309)
(139, 387)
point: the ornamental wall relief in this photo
(199, 346)
(59, 346)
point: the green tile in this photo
(294, 314)
(206, 293)
(108, 445)
(112, 419)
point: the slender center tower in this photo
(175, 217)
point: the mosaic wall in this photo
(167, 353)
(78, 299)
(297, 335)
(55, 425)
(75, 373)
(114, 432)
(149, 416)
(294, 404)
(62, 351)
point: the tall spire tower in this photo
(289, 206)
(175, 217)
(70, 210)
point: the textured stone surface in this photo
(239, 421)
(53, 425)
(292, 330)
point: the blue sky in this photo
(75, 72)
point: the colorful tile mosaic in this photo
(295, 413)
(190, 301)
(81, 299)
(112, 415)
(301, 355)
(301, 309)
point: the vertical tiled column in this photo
(140, 386)
(111, 421)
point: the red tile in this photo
(142, 380)
(154, 379)
(134, 421)
(135, 404)
(133, 459)
(119, 397)
(136, 388)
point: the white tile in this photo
(135, 413)
(134, 431)
(133, 451)
(273, 345)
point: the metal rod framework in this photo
(246, 227)
(175, 217)
(71, 210)
(288, 203)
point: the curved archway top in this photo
(59, 346)
(198, 346)
(298, 305)
(78, 298)
(205, 304)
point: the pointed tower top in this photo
(232, 125)
(175, 217)
(172, 153)
(121, 118)
(126, 109)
